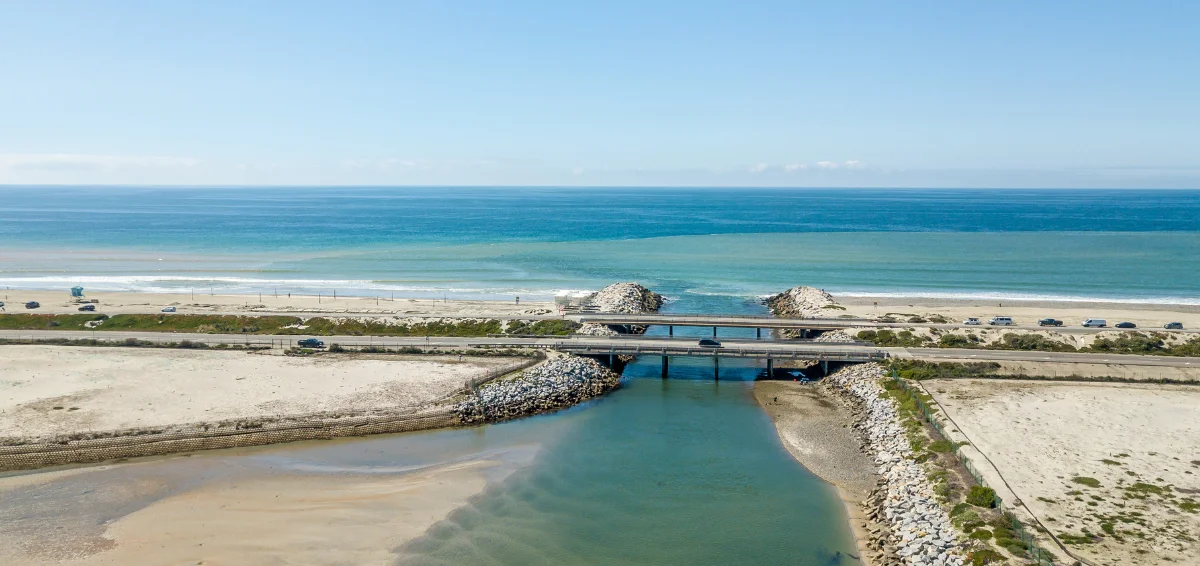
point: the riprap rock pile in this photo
(834, 336)
(920, 530)
(558, 383)
(623, 298)
(801, 302)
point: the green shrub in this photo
(980, 496)
(1084, 480)
(941, 446)
(1034, 342)
(980, 534)
(984, 556)
(335, 347)
(918, 370)
(888, 338)
(954, 341)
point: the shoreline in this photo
(815, 428)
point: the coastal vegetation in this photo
(281, 325)
(1139, 343)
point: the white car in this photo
(972, 321)
(1001, 321)
(168, 309)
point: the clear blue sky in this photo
(1042, 94)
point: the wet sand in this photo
(265, 518)
(815, 429)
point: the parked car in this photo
(32, 305)
(1168, 326)
(1050, 322)
(1095, 323)
(87, 308)
(1126, 325)
(708, 343)
(972, 321)
(168, 309)
(1001, 321)
(310, 343)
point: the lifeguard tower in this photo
(77, 292)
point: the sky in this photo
(643, 93)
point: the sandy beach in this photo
(48, 391)
(814, 427)
(238, 518)
(58, 302)
(1118, 461)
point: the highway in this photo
(783, 349)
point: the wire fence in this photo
(1036, 554)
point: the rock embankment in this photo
(622, 298)
(802, 302)
(558, 383)
(918, 531)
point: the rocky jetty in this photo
(915, 529)
(558, 383)
(834, 336)
(802, 302)
(622, 298)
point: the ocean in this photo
(498, 242)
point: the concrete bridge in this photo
(718, 321)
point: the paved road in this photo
(815, 323)
(944, 354)
(599, 344)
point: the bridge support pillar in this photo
(758, 334)
(714, 332)
(824, 366)
(716, 368)
(611, 360)
(770, 368)
(670, 331)
(665, 363)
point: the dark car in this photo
(32, 305)
(1173, 326)
(88, 308)
(1126, 325)
(310, 343)
(709, 343)
(1050, 322)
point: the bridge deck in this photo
(724, 321)
(777, 351)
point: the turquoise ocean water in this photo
(499, 242)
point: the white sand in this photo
(1146, 316)
(1041, 435)
(104, 389)
(202, 303)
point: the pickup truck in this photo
(1050, 322)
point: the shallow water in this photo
(680, 471)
